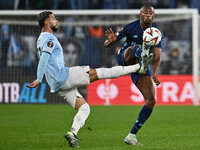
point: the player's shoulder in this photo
(133, 24)
(45, 37)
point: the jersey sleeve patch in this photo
(50, 44)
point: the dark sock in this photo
(143, 116)
(137, 51)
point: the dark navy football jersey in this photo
(133, 33)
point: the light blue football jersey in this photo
(56, 73)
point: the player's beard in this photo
(54, 28)
(148, 20)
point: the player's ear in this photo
(154, 16)
(140, 14)
(46, 22)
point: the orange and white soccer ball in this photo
(152, 36)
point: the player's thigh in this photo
(129, 58)
(78, 76)
(146, 87)
(72, 97)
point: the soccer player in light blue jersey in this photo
(65, 80)
(129, 54)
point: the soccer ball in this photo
(152, 36)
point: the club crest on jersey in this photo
(50, 44)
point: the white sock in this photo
(81, 116)
(114, 72)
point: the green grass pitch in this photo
(42, 127)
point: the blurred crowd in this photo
(95, 4)
(83, 45)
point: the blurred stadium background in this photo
(82, 26)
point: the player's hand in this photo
(33, 84)
(112, 37)
(107, 43)
(155, 79)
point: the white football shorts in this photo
(78, 76)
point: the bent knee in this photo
(150, 102)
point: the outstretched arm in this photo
(41, 69)
(156, 64)
(111, 37)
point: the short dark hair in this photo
(148, 6)
(41, 17)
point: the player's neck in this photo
(45, 29)
(145, 26)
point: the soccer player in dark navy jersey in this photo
(133, 50)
